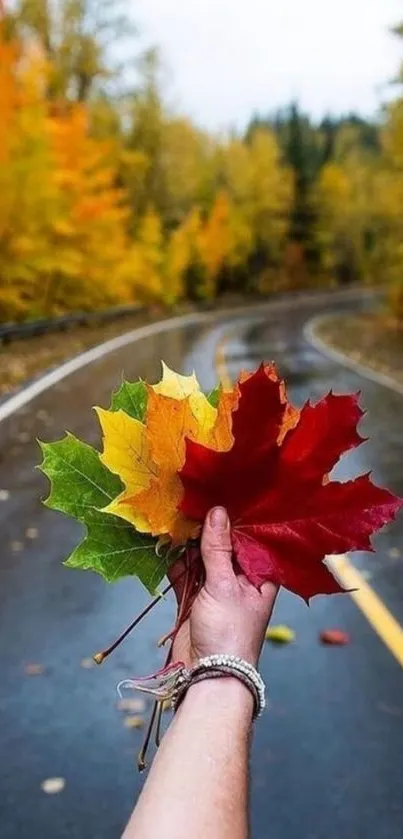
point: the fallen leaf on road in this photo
(4, 495)
(335, 637)
(394, 553)
(280, 634)
(87, 663)
(34, 669)
(16, 546)
(133, 721)
(32, 533)
(53, 785)
(137, 706)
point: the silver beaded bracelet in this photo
(216, 666)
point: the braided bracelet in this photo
(216, 666)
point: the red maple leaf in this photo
(285, 514)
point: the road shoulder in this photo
(360, 342)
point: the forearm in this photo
(198, 783)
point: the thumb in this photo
(216, 549)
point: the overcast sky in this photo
(228, 58)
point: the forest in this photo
(109, 196)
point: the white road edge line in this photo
(337, 355)
(14, 403)
(54, 376)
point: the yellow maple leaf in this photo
(168, 422)
(126, 453)
(179, 387)
(174, 385)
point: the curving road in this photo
(327, 756)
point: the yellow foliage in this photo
(260, 191)
(148, 256)
(389, 202)
(271, 191)
(105, 203)
(347, 204)
(28, 196)
(187, 161)
(214, 243)
(93, 249)
(176, 263)
(63, 240)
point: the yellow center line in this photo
(368, 601)
(371, 605)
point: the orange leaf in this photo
(220, 437)
(169, 421)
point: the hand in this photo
(229, 614)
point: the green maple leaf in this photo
(80, 486)
(115, 549)
(131, 398)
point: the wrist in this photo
(226, 696)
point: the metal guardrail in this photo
(12, 331)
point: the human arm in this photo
(197, 786)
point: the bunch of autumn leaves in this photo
(250, 450)
(171, 453)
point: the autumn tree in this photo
(111, 198)
(389, 202)
(261, 189)
(189, 168)
(348, 225)
(94, 252)
(145, 135)
(63, 239)
(28, 195)
(75, 36)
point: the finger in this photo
(216, 549)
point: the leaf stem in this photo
(156, 713)
(158, 725)
(141, 760)
(101, 656)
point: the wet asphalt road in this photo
(327, 759)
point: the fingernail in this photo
(218, 518)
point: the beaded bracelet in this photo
(216, 666)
